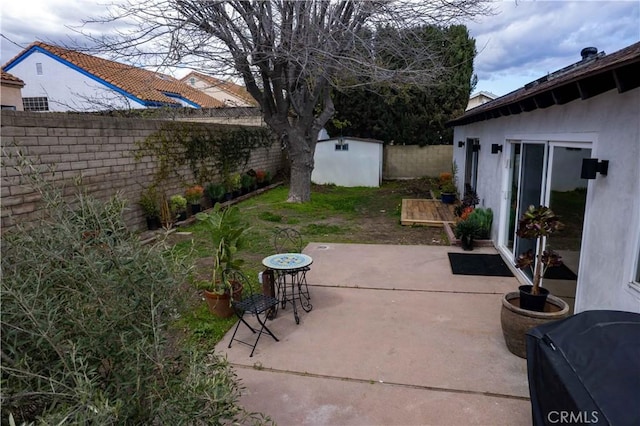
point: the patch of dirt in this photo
(377, 224)
(380, 230)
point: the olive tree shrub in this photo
(85, 309)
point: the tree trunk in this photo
(300, 184)
(301, 146)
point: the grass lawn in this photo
(335, 214)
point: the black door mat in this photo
(560, 273)
(489, 265)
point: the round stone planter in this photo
(516, 321)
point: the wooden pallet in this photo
(426, 212)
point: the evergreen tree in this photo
(411, 114)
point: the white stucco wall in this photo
(361, 165)
(11, 95)
(611, 234)
(66, 88)
(217, 93)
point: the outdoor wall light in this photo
(495, 148)
(460, 144)
(591, 167)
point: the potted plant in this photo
(216, 192)
(467, 230)
(150, 205)
(532, 305)
(235, 184)
(227, 232)
(448, 192)
(260, 178)
(448, 188)
(178, 206)
(537, 224)
(246, 183)
(468, 203)
(193, 195)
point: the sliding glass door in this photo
(567, 197)
(546, 173)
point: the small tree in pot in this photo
(227, 231)
(537, 223)
(517, 318)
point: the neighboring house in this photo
(11, 91)
(347, 161)
(59, 79)
(479, 99)
(529, 147)
(230, 94)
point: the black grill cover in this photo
(586, 370)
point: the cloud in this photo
(50, 21)
(526, 40)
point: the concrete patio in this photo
(394, 338)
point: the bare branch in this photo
(289, 53)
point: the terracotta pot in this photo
(219, 304)
(516, 321)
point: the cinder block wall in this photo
(412, 161)
(99, 149)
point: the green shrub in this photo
(177, 203)
(484, 219)
(467, 227)
(477, 224)
(215, 191)
(84, 313)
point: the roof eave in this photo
(621, 76)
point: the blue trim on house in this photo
(126, 94)
(176, 96)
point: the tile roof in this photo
(226, 86)
(146, 85)
(582, 80)
(11, 79)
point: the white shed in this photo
(348, 161)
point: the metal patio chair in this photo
(252, 302)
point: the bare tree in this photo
(290, 53)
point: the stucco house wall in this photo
(611, 235)
(11, 92)
(360, 165)
(217, 93)
(11, 96)
(66, 88)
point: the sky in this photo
(522, 42)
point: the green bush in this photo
(85, 309)
(468, 227)
(477, 224)
(484, 219)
